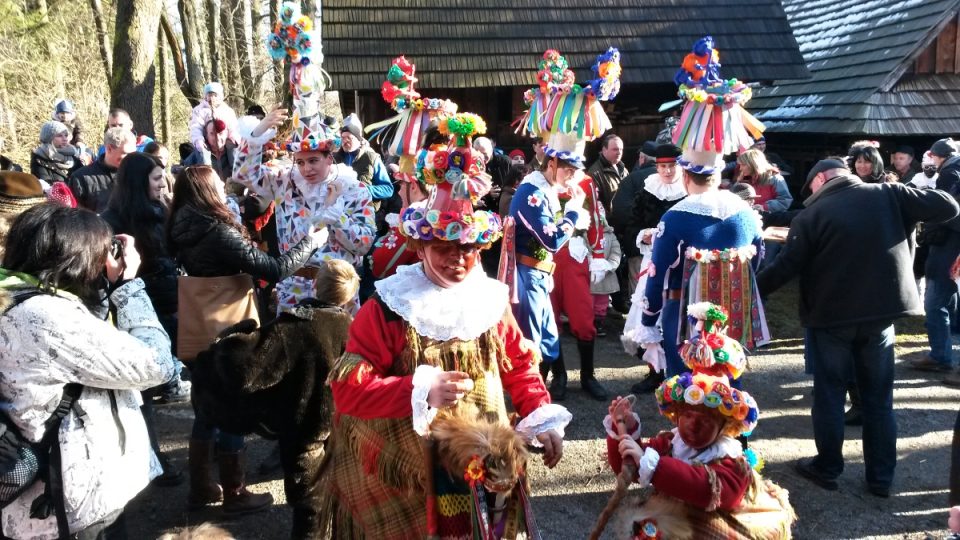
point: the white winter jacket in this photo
(48, 341)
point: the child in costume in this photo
(704, 483)
(422, 445)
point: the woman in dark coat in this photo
(54, 159)
(207, 240)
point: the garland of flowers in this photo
(704, 256)
(700, 389)
(728, 91)
(480, 227)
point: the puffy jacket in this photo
(51, 170)
(48, 341)
(608, 178)
(91, 185)
(206, 247)
(158, 270)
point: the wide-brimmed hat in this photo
(18, 192)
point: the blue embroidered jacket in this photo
(536, 209)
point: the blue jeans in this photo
(205, 431)
(534, 312)
(866, 351)
(938, 302)
(670, 324)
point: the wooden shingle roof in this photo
(858, 52)
(492, 43)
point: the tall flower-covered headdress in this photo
(414, 114)
(565, 114)
(715, 360)
(458, 174)
(713, 121)
(295, 40)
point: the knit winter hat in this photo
(18, 192)
(64, 106)
(352, 125)
(51, 129)
(213, 88)
(944, 148)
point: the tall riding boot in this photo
(558, 388)
(588, 382)
(236, 499)
(203, 490)
(853, 417)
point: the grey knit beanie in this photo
(944, 148)
(50, 130)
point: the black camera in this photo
(116, 248)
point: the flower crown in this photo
(481, 227)
(701, 390)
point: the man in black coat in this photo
(852, 249)
(91, 185)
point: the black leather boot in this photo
(588, 382)
(558, 388)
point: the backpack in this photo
(23, 462)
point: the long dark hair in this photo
(194, 189)
(64, 248)
(130, 201)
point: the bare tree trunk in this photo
(134, 61)
(103, 39)
(179, 69)
(164, 96)
(243, 39)
(281, 82)
(213, 37)
(196, 65)
(230, 68)
(6, 115)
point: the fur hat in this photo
(51, 129)
(18, 192)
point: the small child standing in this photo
(602, 288)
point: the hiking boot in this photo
(928, 364)
(808, 470)
(236, 499)
(176, 391)
(879, 491)
(203, 490)
(649, 383)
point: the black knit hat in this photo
(944, 148)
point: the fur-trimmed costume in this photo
(272, 381)
(379, 473)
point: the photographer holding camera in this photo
(53, 332)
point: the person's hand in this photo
(319, 237)
(630, 450)
(273, 119)
(335, 190)
(448, 388)
(127, 265)
(646, 236)
(621, 410)
(596, 276)
(552, 447)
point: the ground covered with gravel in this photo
(569, 498)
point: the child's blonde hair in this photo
(205, 531)
(337, 282)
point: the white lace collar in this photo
(538, 180)
(716, 203)
(655, 185)
(724, 447)
(464, 311)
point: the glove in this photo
(598, 269)
(596, 276)
(320, 237)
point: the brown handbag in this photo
(207, 305)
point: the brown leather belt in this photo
(673, 294)
(309, 272)
(543, 266)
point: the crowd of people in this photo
(400, 304)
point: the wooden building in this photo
(483, 53)
(886, 70)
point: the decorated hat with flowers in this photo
(713, 120)
(293, 41)
(564, 114)
(460, 179)
(715, 359)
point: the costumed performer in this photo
(661, 191)
(705, 486)
(561, 257)
(446, 350)
(708, 246)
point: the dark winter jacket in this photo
(51, 170)
(646, 213)
(944, 238)
(158, 270)
(607, 177)
(91, 185)
(205, 247)
(364, 162)
(851, 249)
(272, 380)
(622, 204)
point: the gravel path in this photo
(568, 498)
